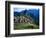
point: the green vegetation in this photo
(25, 26)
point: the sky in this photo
(20, 9)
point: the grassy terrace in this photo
(25, 26)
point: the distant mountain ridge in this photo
(35, 12)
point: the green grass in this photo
(25, 26)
